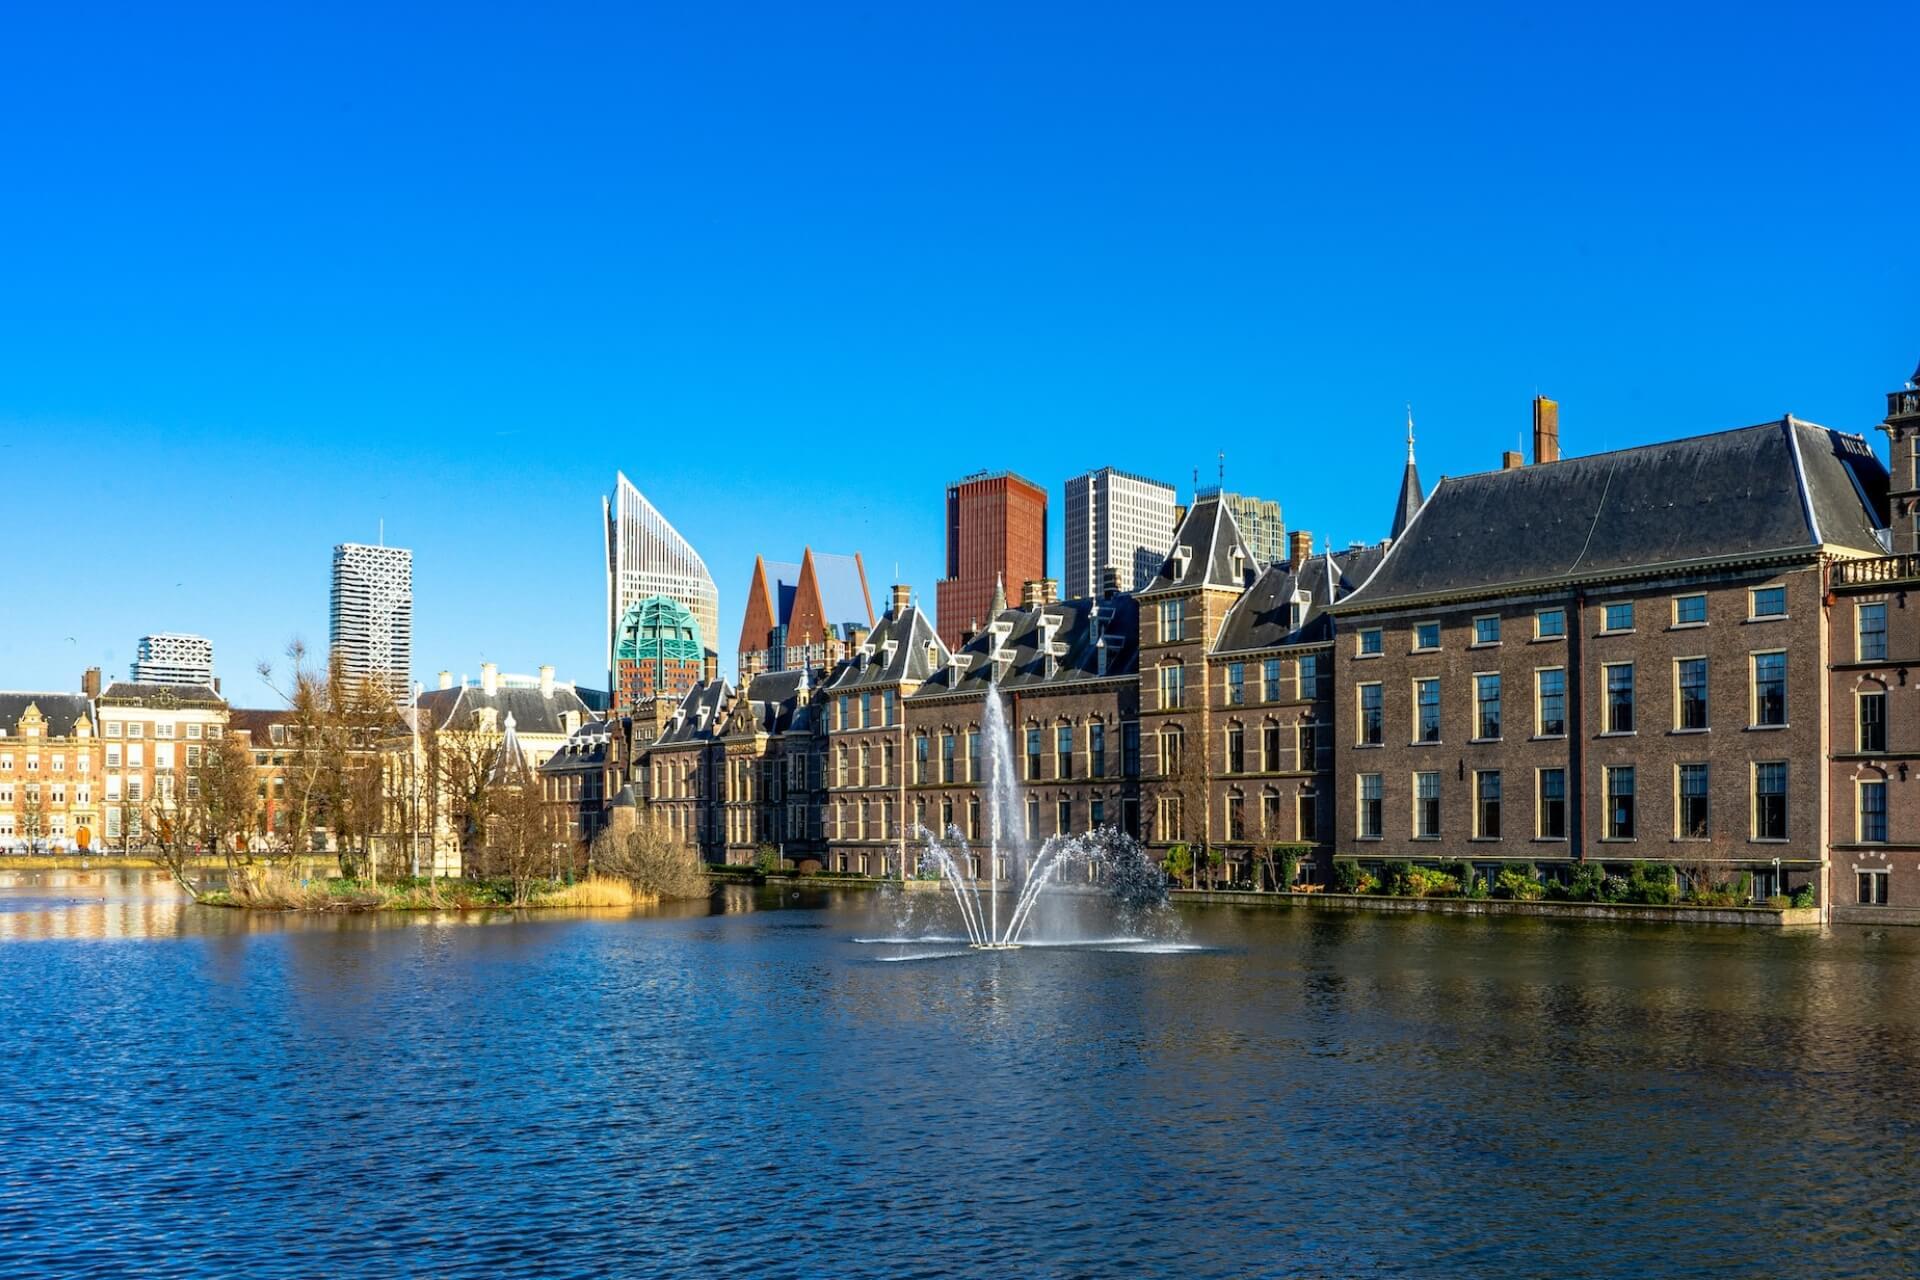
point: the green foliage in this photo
(1348, 877)
(766, 859)
(1286, 862)
(1430, 882)
(1653, 883)
(1779, 902)
(1803, 896)
(1396, 879)
(1519, 883)
(1178, 863)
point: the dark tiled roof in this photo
(256, 723)
(1207, 551)
(454, 708)
(773, 697)
(60, 710)
(1407, 506)
(909, 633)
(1261, 619)
(125, 693)
(689, 725)
(586, 750)
(1076, 629)
(1755, 492)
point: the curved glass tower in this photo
(646, 556)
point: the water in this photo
(751, 1091)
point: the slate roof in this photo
(532, 714)
(773, 698)
(1215, 553)
(1260, 619)
(1077, 630)
(687, 725)
(585, 751)
(125, 693)
(1780, 490)
(909, 633)
(1407, 505)
(61, 711)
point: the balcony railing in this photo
(1876, 571)
(1902, 404)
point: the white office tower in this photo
(1115, 521)
(373, 613)
(171, 657)
(646, 556)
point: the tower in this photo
(1903, 465)
(1119, 522)
(1407, 505)
(646, 556)
(996, 529)
(372, 615)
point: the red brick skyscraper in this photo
(996, 530)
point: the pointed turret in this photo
(1411, 495)
(999, 596)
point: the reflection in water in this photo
(756, 1086)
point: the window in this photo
(1370, 806)
(1692, 813)
(1173, 619)
(1553, 804)
(1486, 706)
(1486, 630)
(866, 710)
(135, 729)
(1310, 676)
(948, 764)
(1870, 631)
(1768, 602)
(1550, 624)
(1308, 817)
(1171, 742)
(1550, 699)
(1096, 751)
(1770, 688)
(1173, 685)
(163, 730)
(1426, 806)
(1033, 816)
(1096, 813)
(973, 756)
(1770, 801)
(1033, 754)
(1486, 805)
(1063, 817)
(1372, 642)
(1873, 721)
(1617, 617)
(1130, 750)
(1372, 721)
(1873, 812)
(1619, 677)
(921, 751)
(886, 705)
(1236, 817)
(1309, 745)
(1689, 611)
(1063, 751)
(1620, 802)
(1236, 684)
(1873, 888)
(1690, 693)
(1426, 697)
(1270, 680)
(1236, 749)
(113, 728)
(1426, 636)
(1270, 747)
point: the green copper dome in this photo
(658, 627)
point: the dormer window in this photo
(1182, 557)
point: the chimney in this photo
(489, 677)
(216, 684)
(90, 682)
(1511, 459)
(1050, 590)
(1299, 547)
(710, 668)
(546, 682)
(1033, 594)
(1546, 430)
(902, 598)
(446, 679)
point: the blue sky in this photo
(271, 275)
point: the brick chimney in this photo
(711, 668)
(1546, 430)
(902, 599)
(1033, 594)
(489, 677)
(1511, 459)
(546, 682)
(90, 682)
(1299, 547)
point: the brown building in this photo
(50, 773)
(152, 734)
(1611, 659)
(804, 616)
(772, 779)
(996, 538)
(581, 780)
(681, 772)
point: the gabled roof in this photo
(699, 715)
(898, 653)
(61, 711)
(773, 699)
(1207, 551)
(126, 693)
(1263, 617)
(1055, 644)
(532, 714)
(1407, 505)
(1780, 490)
(586, 750)
(812, 599)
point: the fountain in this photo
(1125, 873)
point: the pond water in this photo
(746, 1088)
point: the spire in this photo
(999, 596)
(1411, 494)
(1409, 433)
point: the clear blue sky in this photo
(271, 274)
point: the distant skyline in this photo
(272, 278)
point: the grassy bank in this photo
(443, 894)
(87, 862)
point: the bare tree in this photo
(516, 843)
(652, 859)
(213, 814)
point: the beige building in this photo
(50, 786)
(151, 735)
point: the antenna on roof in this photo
(1409, 431)
(1223, 468)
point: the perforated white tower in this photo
(646, 556)
(373, 613)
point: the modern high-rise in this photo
(646, 556)
(1117, 521)
(172, 657)
(372, 623)
(996, 535)
(1261, 527)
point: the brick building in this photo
(996, 537)
(51, 770)
(658, 652)
(804, 616)
(152, 734)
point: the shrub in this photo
(1396, 879)
(1652, 883)
(652, 860)
(1427, 882)
(1614, 889)
(1520, 883)
(766, 859)
(1779, 902)
(1589, 883)
(1462, 873)
(1347, 877)
(1803, 896)
(1476, 887)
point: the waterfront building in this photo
(1873, 639)
(658, 652)
(581, 780)
(1612, 658)
(996, 534)
(171, 657)
(768, 757)
(371, 624)
(51, 770)
(646, 556)
(1117, 523)
(805, 615)
(680, 771)
(866, 745)
(153, 736)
